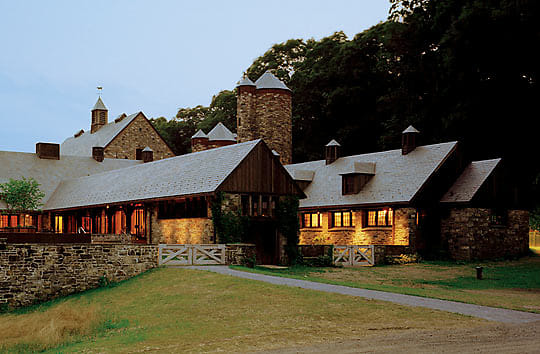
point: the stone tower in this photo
(264, 111)
(100, 116)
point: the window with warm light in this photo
(342, 219)
(312, 220)
(379, 218)
(58, 224)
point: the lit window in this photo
(342, 219)
(58, 224)
(312, 220)
(372, 218)
(379, 217)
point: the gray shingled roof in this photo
(245, 81)
(398, 177)
(333, 143)
(99, 105)
(220, 132)
(82, 145)
(49, 173)
(199, 134)
(410, 129)
(195, 173)
(269, 81)
(470, 181)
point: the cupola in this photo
(332, 151)
(100, 116)
(409, 139)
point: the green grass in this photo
(507, 284)
(178, 310)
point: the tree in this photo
(21, 195)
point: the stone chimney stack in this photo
(100, 116)
(409, 139)
(332, 151)
(264, 111)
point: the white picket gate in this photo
(191, 254)
(354, 255)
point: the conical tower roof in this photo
(220, 132)
(270, 81)
(199, 134)
(245, 81)
(100, 105)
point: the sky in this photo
(152, 56)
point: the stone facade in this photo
(137, 135)
(31, 273)
(266, 114)
(181, 231)
(237, 253)
(469, 234)
(401, 233)
(201, 144)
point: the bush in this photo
(403, 259)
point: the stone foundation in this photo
(33, 273)
(236, 253)
(469, 235)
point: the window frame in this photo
(388, 222)
(305, 226)
(342, 213)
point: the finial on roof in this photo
(270, 81)
(410, 129)
(333, 143)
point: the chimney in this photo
(408, 140)
(147, 155)
(100, 116)
(48, 151)
(332, 151)
(98, 153)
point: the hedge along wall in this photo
(32, 273)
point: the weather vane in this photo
(99, 88)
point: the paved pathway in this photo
(485, 312)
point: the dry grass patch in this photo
(42, 330)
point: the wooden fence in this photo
(182, 255)
(354, 255)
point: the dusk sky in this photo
(150, 56)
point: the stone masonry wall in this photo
(31, 273)
(182, 231)
(359, 235)
(469, 235)
(137, 135)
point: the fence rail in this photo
(354, 255)
(191, 254)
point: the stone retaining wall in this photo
(237, 253)
(32, 273)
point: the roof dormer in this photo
(356, 176)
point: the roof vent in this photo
(79, 133)
(50, 151)
(332, 151)
(120, 117)
(409, 140)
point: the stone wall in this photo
(237, 253)
(137, 135)
(468, 234)
(31, 273)
(399, 234)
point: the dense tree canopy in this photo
(462, 70)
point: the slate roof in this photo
(82, 145)
(49, 173)
(333, 143)
(99, 105)
(199, 134)
(410, 129)
(397, 179)
(245, 81)
(269, 81)
(195, 173)
(220, 132)
(470, 181)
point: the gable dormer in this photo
(303, 177)
(356, 177)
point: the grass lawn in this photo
(177, 310)
(507, 284)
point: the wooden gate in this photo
(191, 254)
(353, 255)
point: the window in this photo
(58, 224)
(4, 221)
(348, 184)
(184, 208)
(138, 225)
(498, 217)
(342, 219)
(138, 154)
(379, 218)
(86, 224)
(258, 205)
(312, 220)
